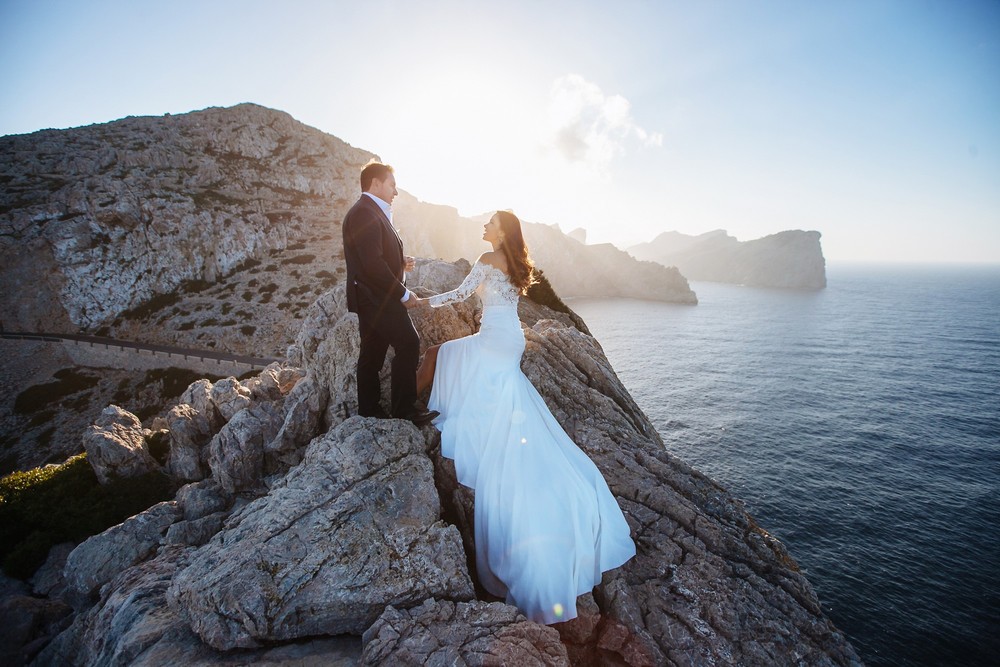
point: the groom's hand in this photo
(414, 302)
(408, 263)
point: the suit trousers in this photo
(382, 326)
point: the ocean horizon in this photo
(860, 424)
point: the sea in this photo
(860, 424)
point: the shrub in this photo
(42, 507)
(299, 259)
(68, 382)
(248, 330)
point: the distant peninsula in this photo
(788, 259)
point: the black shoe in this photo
(420, 418)
(379, 414)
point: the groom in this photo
(375, 291)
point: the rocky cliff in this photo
(791, 259)
(575, 269)
(100, 221)
(305, 536)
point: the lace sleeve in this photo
(475, 278)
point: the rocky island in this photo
(789, 259)
(295, 533)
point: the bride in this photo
(546, 524)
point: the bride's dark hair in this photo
(520, 268)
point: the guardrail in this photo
(187, 354)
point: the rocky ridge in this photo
(574, 268)
(202, 224)
(788, 259)
(358, 526)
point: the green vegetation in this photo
(68, 382)
(299, 259)
(543, 294)
(42, 507)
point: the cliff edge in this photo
(302, 533)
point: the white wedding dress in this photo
(546, 524)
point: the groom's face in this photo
(385, 190)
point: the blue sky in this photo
(875, 122)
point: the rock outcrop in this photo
(369, 534)
(116, 446)
(791, 259)
(465, 633)
(351, 529)
(573, 268)
(100, 220)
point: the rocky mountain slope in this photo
(303, 535)
(102, 220)
(791, 258)
(575, 269)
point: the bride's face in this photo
(491, 230)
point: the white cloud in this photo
(588, 127)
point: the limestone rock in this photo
(792, 258)
(439, 632)
(708, 584)
(304, 415)
(189, 433)
(329, 343)
(133, 625)
(97, 220)
(199, 396)
(116, 446)
(27, 624)
(201, 499)
(195, 532)
(229, 397)
(350, 530)
(236, 453)
(101, 557)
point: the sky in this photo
(876, 122)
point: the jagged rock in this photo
(328, 343)
(229, 397)
(708, 584)
(350, 530)
(304, 409)
(196, 532)
(236, 453)
(274, 382)
(99, 219)
(101, 557)
(116, 446)
(27, 624)
(199, 396)
(133, 625)
(200, 499)
(439, 632)
(189, 433)
(49, 580)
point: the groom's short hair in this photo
(374, 170)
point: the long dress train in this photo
(546, 524)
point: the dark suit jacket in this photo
(374, 254)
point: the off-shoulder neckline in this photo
(495, 268)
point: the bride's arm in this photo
(463, 291)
